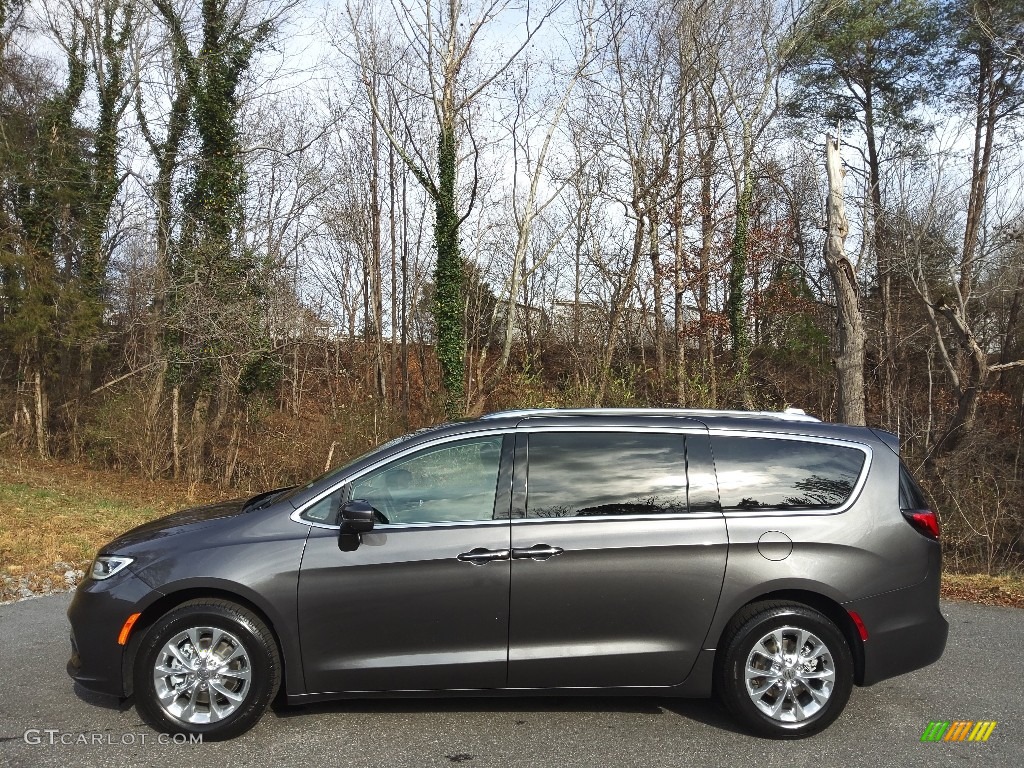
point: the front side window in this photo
(766, 473)
(325, 510)
(589, 474)
(454, 482)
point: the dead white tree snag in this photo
(850, 359)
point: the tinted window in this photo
(764, 473)
(585, 474)
(911, 496)
(451, 483)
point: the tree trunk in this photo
(881, 243)
(231, 457)
(376, 275)
(197, 438)
(736, 302)
(659, 301)
(157, 456)
(986, 118)
(393, 225)
(405, 303)
(679, 289)
(175, 432)
(707, 234)
(850, 358)
(619, 301)
(41, 413)
(967, 396)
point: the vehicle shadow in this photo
(704, 711)
(102, 700)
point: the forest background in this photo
(244, 240)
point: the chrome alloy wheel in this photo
(790, 674)
(202, 675)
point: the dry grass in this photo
(52, 513)
(980, 588)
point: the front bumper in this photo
(97, 613)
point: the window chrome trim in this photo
(620, 518)
(858, 487)
(462, 436)
(659, 428)
(389, 527)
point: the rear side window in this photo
(766, 473)
(911, 495)
(588, 474)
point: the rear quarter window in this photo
(756, 473)
(911, 495)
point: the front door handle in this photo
(537, 552)
(479, 556)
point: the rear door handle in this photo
(536, 552)
(479, 556)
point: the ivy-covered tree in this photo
(41, 154)
(212, 304)
(61, 175)
(443, 36)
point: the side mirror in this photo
(357, 517)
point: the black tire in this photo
(253, 675)
(803, 696)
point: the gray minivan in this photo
(770, 559)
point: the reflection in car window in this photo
(452, 483)
(764, 473)
(588, 474)
(911, 495)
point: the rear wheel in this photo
(787, 670)
(207, 667)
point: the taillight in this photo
(924, 520)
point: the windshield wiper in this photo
(265, 499)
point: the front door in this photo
(422, 603)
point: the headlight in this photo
(105, 566)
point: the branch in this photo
(509, 60)
(111, 383)
(1004, 366)
(294, 150)
(476, 177)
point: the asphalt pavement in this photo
(46, 721)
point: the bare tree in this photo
(742, 87)
(635, 112)
(993, 73)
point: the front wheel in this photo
(207, 667)
(787, 670)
